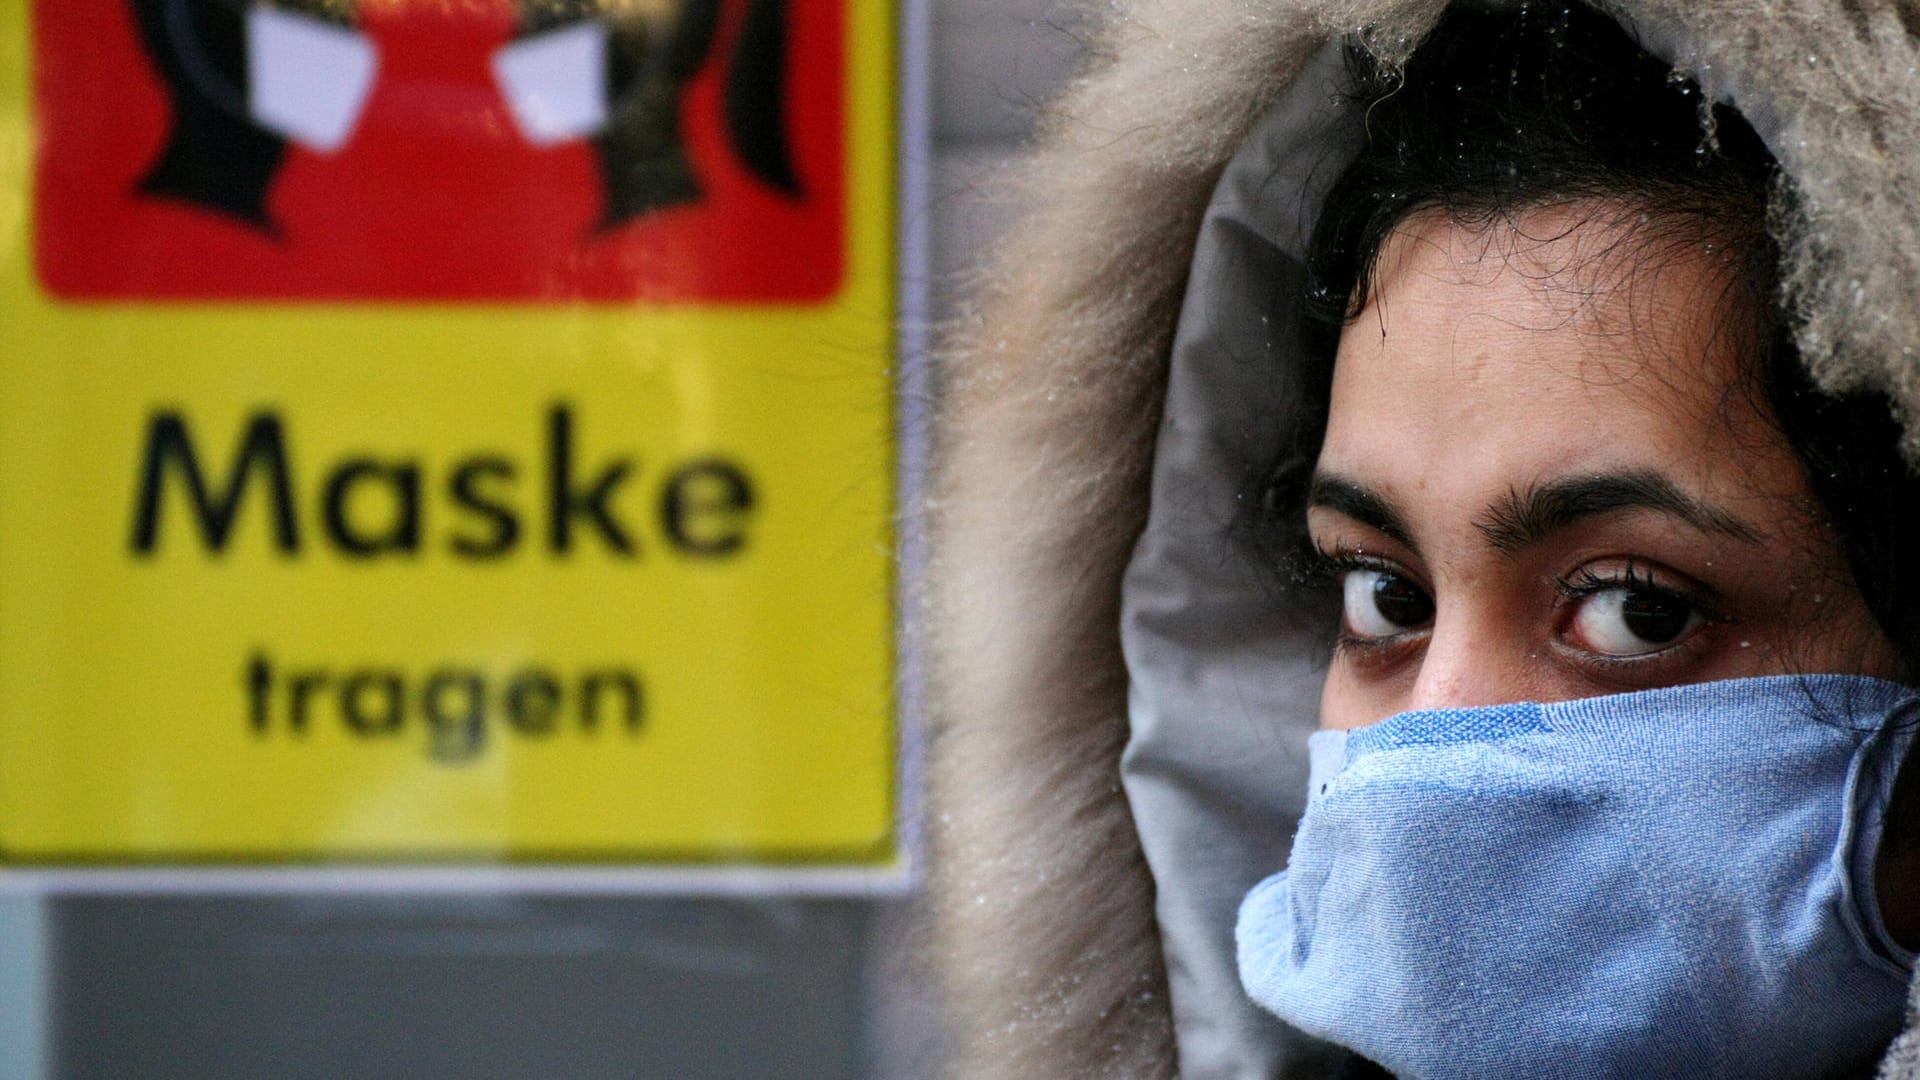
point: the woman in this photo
(1569, 456)
(1735, 551)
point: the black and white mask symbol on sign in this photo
(248, 79)
(307, 78)
(245, 80)
(615, 70)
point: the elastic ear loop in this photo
(1900, 823)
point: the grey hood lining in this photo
(1224, 686)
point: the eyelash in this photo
(1586, 582)
(1324, 566)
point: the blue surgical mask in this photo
(1677, 882)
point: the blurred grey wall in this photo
(995, 62)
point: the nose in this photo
(1469, 662)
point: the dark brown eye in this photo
(1630, 621)
(1378, 604)
(1655, 617)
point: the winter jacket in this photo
(1119, 709)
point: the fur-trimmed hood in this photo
(1052, 395)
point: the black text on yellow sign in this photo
(701, 511)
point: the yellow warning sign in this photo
(446, 431)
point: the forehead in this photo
(1576, 337)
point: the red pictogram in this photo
(414, 150)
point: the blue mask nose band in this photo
(1677, 882)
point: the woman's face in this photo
(1546, 476)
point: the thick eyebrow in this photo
(1526, 517)
(1362, 504)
